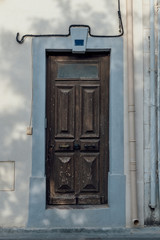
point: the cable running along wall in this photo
(121, 30)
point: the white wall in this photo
(151, 216)
(146, 52)
(42, 17)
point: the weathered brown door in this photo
(77, 128)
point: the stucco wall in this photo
(146, 51)
(41, 17)
(151, 216)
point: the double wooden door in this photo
(77, 128)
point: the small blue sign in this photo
(79, 42)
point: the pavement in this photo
(146, 233)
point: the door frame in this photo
(112, 214)
(101, 138)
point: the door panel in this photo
(77, 135)
(89, 168)
(89, 200)
(64, 145)
(64, 176)
(88, 145)
(62, 199)
(64, 111)
(89, 107)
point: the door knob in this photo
(76, 146)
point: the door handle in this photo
(90, 146)
(64, 146)
(76, 146)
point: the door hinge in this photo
(45, 122)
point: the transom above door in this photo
(77, 111)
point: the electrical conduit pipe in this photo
(131, 113)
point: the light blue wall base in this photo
(114, 214)
(95, 216)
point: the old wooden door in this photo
(77, 128)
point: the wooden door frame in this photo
(114, 214)
(103, 60)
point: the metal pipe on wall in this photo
(153, 151)
(131, 113)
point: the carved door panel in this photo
(77, 130)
